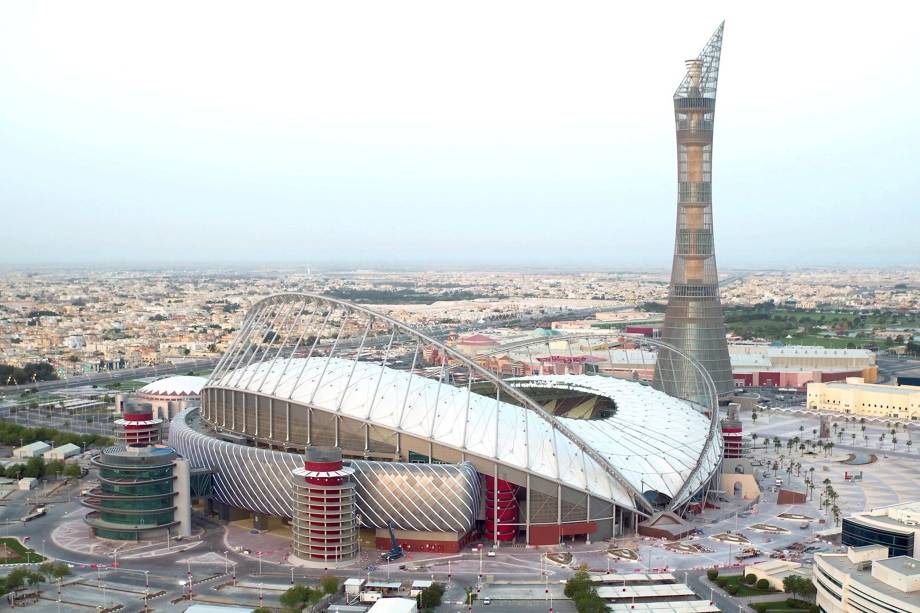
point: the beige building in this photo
(866, 579)
(774, 571)
(855, 397)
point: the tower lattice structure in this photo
(693, 319)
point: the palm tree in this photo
(814, 432)
(909, 443)
(853, 437)
(835, 510)
(881, 439)
(894, 443)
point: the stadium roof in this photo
(653, 441)
(182, 385)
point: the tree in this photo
(581, 580)
(72, 470)
(792, 584)
(431, 596)
(54, 570)
(35, 467)
(579, 589)
(712, 574)
(329, 584)
(299, 596)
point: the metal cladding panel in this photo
(693, 320)
(426, 497)
(442, 497)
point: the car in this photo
(490, 554)
(486, 601)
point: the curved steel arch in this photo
(235, 359)
(709, 388)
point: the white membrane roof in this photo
(653, 440)
(180, 385)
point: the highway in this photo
(110, 376)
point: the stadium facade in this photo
(442, 451)
(693, 319)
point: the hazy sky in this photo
(462, 133)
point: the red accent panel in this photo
(501, 503)
(323, 466)
(551, 534)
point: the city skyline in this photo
(450, 147)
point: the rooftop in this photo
(904, 390)
(184, 385)
(861, 574)
(394, 605)
(904, 565)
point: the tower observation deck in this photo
(693, 319)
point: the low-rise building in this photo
(867, 579)
(856, 397)
(62, 452)
(32, 450)
(394, 605)
(774, 571)
(896, 527)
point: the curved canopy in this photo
(653, 441)
(181, 385)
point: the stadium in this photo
(435, 445)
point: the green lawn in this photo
(833, 342)
(15, 552)
(790, 605)
(744, 589)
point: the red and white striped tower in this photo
(324, 526)
(137, 426)
(501, 509)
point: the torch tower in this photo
(693, 321)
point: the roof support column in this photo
(495, 505)
(559, 510)
(527, 511)
(588, 517)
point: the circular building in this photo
(170, 395)
(307, 371)
(135, 499)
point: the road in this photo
(111, 376)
